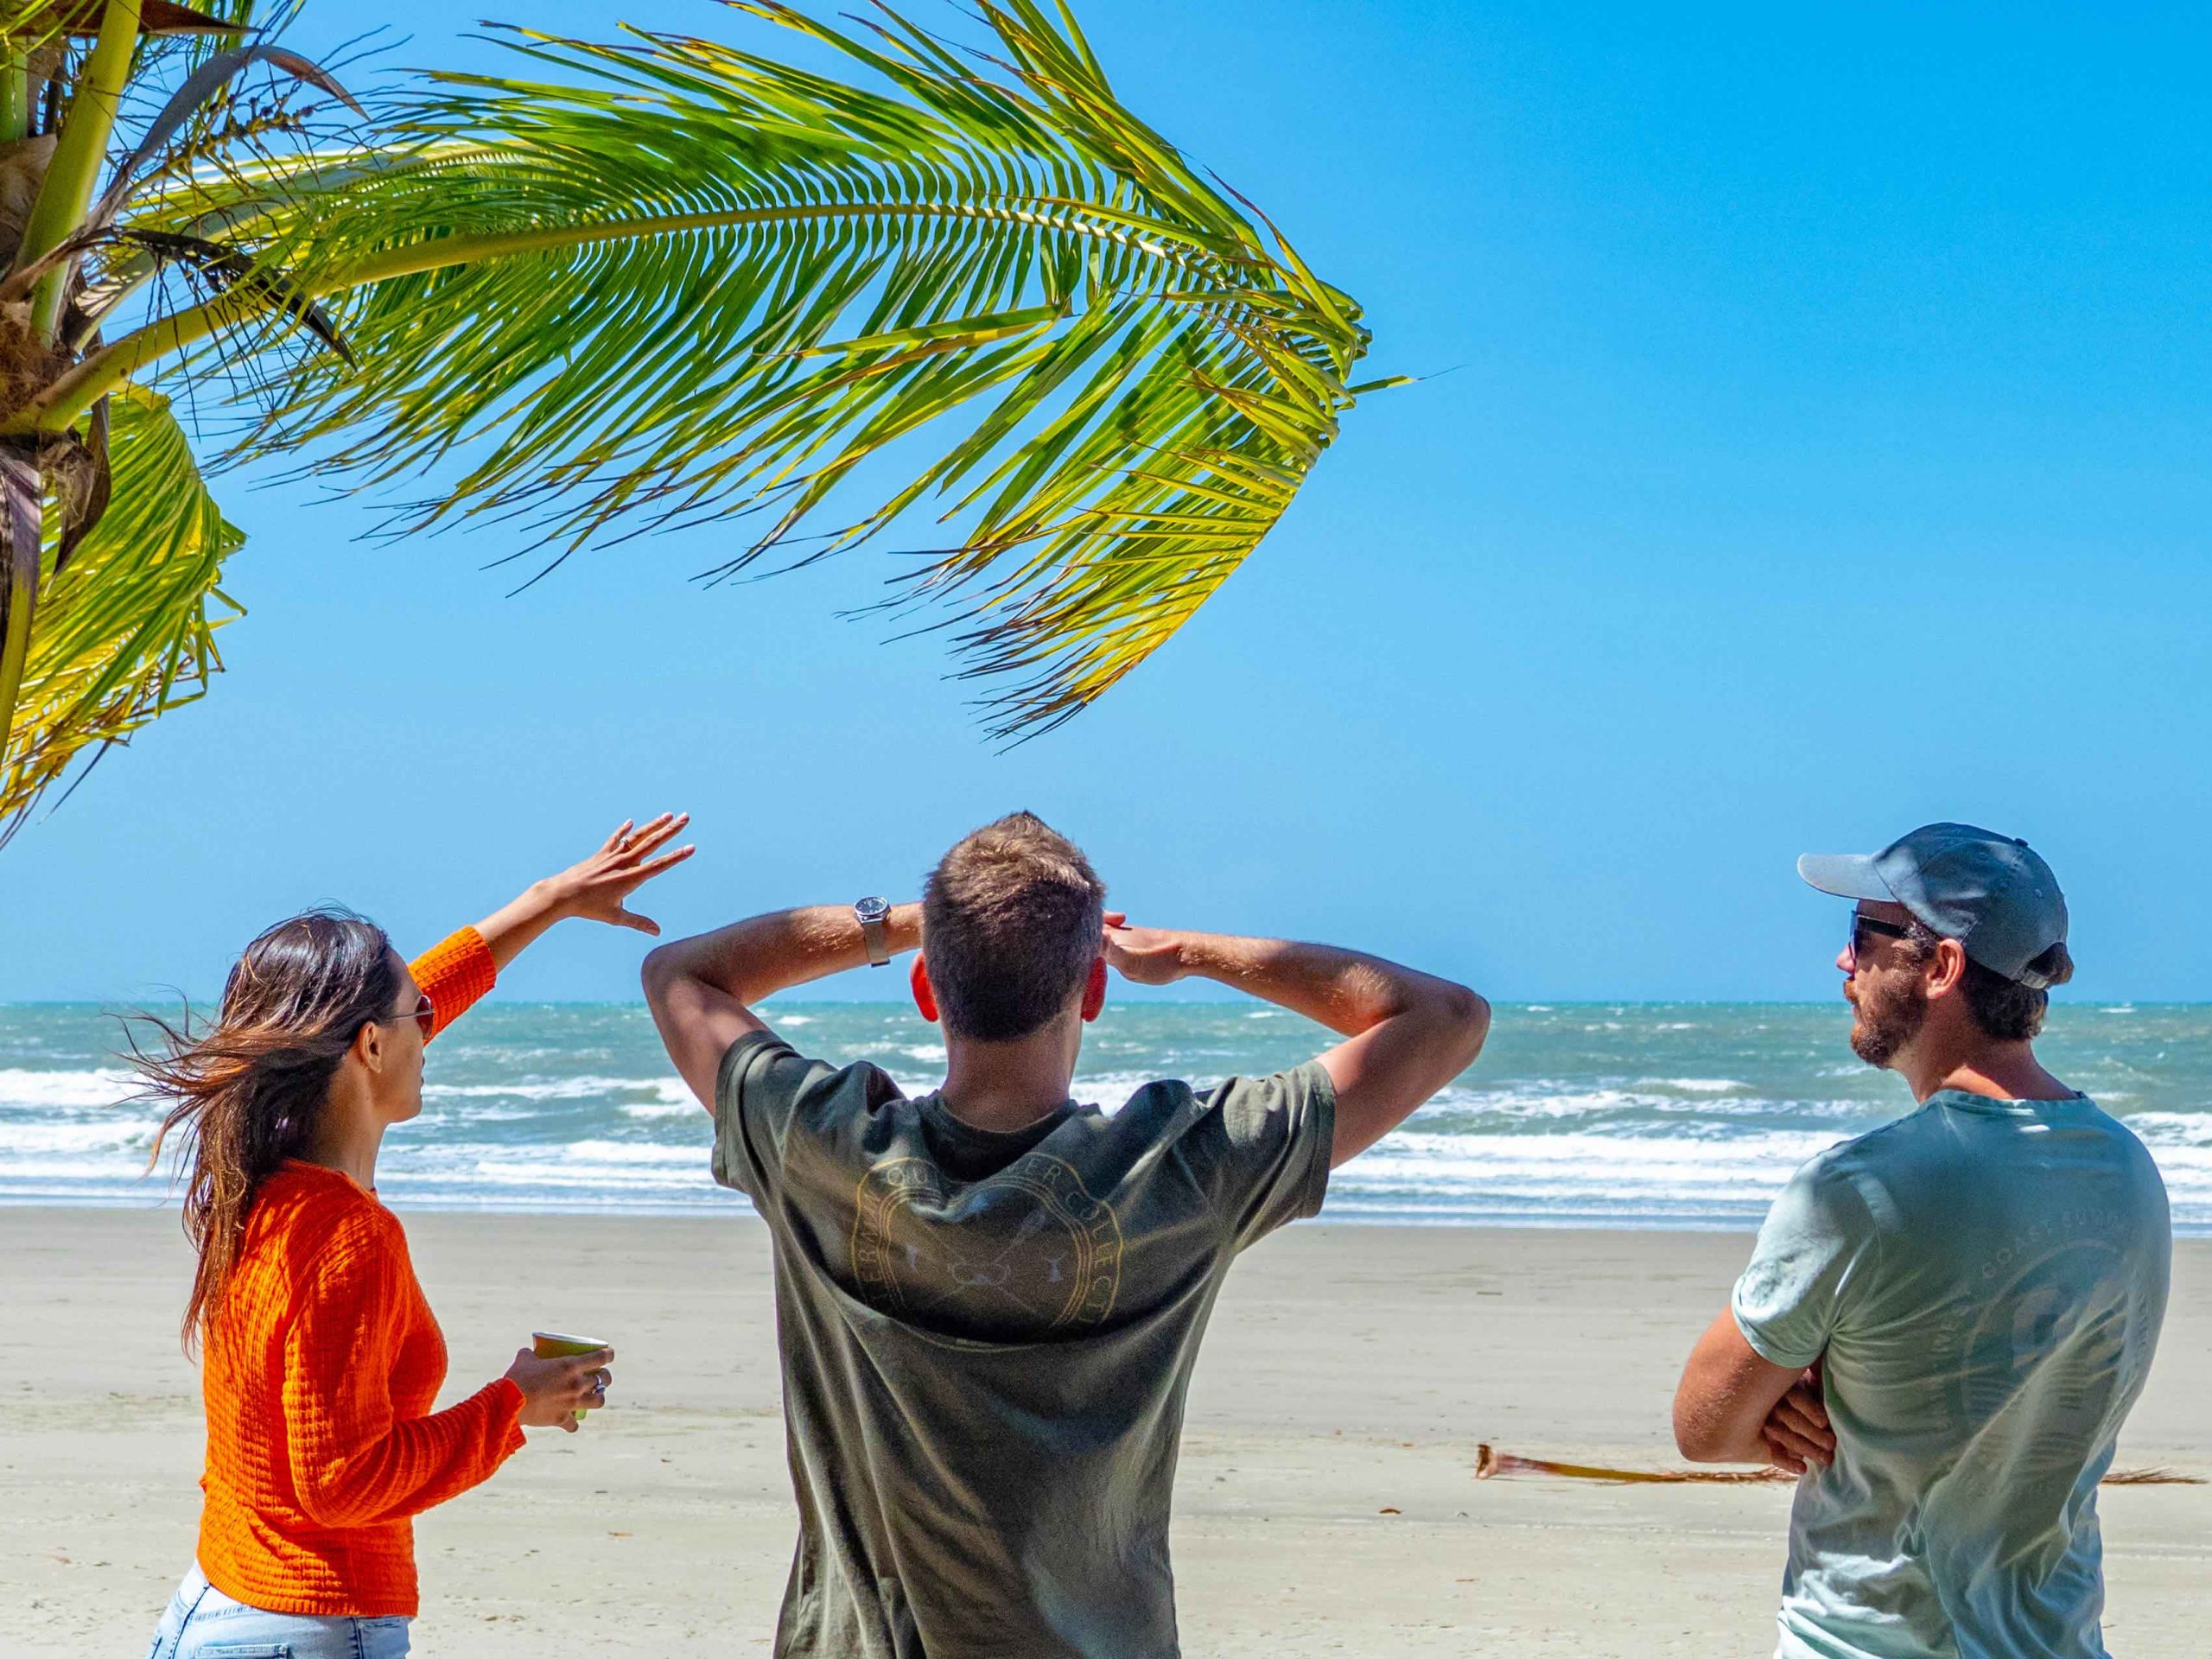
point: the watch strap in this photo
(875, 933)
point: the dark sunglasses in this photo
(425, 1015)
(1861, 926)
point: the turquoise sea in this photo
(1608, 1114)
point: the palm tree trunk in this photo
(14, 100)
(19, 528)
(66, 189)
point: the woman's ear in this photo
(925, 994)
(1093, 989)
(368, 1046)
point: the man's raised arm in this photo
(701, 989)
(1409, 1033)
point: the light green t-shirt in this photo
(986, 1341)
(1983, 1281)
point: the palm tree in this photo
(633, 286)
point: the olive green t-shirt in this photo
(987, 1338)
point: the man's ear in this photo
(1947, 968)
(1093, 989)
(925, 993)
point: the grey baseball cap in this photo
(1992, 893)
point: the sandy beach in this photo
(1326, 1501)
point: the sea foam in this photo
(1582, 1114)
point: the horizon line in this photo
(2097, 1004)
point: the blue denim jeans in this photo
(202, 1623)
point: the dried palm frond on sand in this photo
(1490, 1463)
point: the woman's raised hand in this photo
(596, 888)
(553, 1390)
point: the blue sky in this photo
(1825, 452)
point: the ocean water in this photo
(1583, 1114)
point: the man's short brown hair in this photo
(2002, 1009)
(1010, 926)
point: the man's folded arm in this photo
(1407, 1034)
(1817, 1242)
(1727, 1392)
(702, 990)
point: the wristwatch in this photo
(874, 916)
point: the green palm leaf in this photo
(126, 631)
(671, 283)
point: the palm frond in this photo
(39, 19)
(1491, 1463)
(125, 629)
(669, 282)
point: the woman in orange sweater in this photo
(321, 1358)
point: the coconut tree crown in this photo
(657, 283)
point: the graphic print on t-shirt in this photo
(2063, 1310)
(1031, 1253)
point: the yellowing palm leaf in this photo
(126, 630)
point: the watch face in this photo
(872, 910)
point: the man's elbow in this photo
(1711, 1427)
(1465, 1017)
(658, 972)
(1688, 1440)
(1697, 1433)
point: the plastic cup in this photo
(551, 1344)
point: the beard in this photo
(1887, 1018)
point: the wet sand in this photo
(1326, 1501)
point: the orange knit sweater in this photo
(322, 1362)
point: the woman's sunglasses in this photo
(425, 1015)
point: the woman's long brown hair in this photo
(244, 1093)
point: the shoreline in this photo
(1326, 1500)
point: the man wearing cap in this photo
(1945, 1321)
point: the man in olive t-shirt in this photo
(989, 1298)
